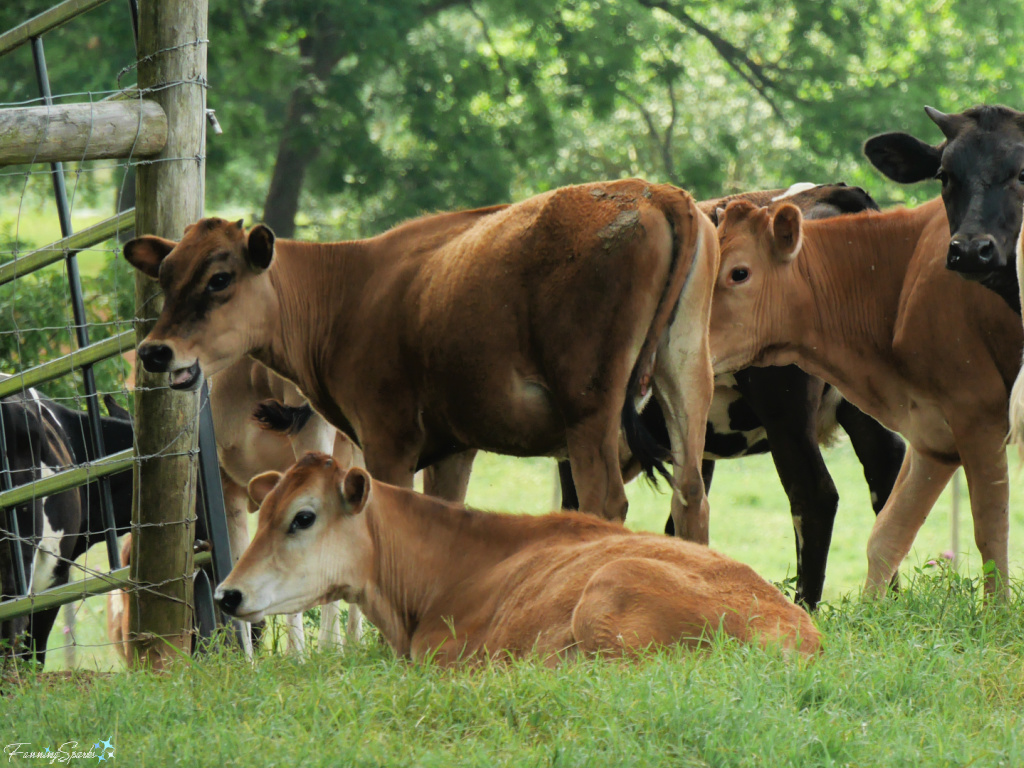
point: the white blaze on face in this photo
(796, 189)
(47, 554)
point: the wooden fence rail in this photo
(90, 131)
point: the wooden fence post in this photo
(172, 62)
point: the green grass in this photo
(932, 678)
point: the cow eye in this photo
(942, 176)
(1020, 177)
(219, 282)
(739, 275)
(301, 521)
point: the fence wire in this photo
(37, 325)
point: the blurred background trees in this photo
(341, 119)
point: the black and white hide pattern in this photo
(35, 447)
(68, 427)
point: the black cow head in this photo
(981, 167)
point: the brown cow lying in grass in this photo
(444, 582)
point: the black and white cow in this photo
(65, 530)
(35, 447)
(789, 413)
(980, 165)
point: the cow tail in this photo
(275, 416)
(682, 214)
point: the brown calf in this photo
(245, 450)
(516, 329)
(866, 303)
(444, 582)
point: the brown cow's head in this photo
(312, 544)
(758, 247)
(216, 294)
(981, 167)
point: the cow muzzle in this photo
(229, 600)
(974, 256)
(159, 358)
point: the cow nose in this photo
(156, 357)
(228, 600)
(983, 250)
(957, 252)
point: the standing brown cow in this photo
(516, 329)
(866, 303)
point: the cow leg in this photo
(570, 499)
(787, 402)
(918, 485)
(594, 459)
(707, 472)
(236, 504)
(295, 633)
(984, 461)
(879, 451)
(448, 479)
(684, 393)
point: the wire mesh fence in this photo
(67, 316)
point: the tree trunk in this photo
(298, 147)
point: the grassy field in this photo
(932, 679)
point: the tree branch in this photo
(662, 145)
(497, 54)
(752, 72)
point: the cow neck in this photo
(312, 285)
(848, 281)
(431, 555)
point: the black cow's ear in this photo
(355, 490)
(147, 253)
(903, 158)
(260, 248)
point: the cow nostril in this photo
(986, 250)
(156, 357)
(957, 250)
(229, 600)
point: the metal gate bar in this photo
(92, 401)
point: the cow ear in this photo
(147, 253)
(903, 158)
(355, 490)
(786, 232)
(261, 485)
(260, 247)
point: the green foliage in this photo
(413, 106)
(37, 323)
